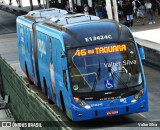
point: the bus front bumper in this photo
(107, 111)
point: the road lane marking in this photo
(142, 115)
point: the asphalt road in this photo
(8, 49)
(7, 23)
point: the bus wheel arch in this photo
(64, 107)
(62, 102)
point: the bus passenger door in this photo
(61, 77)
(52, 65)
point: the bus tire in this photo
(63, 106)
(46, 92)
(62, 102)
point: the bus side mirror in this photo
(141, 52)
(63, 61)
(63, 54)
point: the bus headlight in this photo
(138, 95)
(82, 103)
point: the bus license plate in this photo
(112, 112)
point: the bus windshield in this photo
(104, 67)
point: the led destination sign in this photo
(101, 50)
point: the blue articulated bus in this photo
(90, 68)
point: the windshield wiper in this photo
(97, 77)
(110, 70)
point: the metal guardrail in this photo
(24, 103)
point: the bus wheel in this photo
(50, 101)
(63, 106)
(46, 92)
(28, 74)
(62, 102)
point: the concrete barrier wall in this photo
(25, 104)
(12, 10)
(152, 56)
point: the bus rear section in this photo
(27, 39)
(105, 70)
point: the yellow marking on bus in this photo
(101, 50)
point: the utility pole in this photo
(71, 5)
(45, 4)
(109, 9)
(115, 10)
(112, 13)
(31, 4)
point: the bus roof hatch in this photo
(69, 19)
(44, 14)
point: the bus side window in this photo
(26, 38)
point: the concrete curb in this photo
(152, 57)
